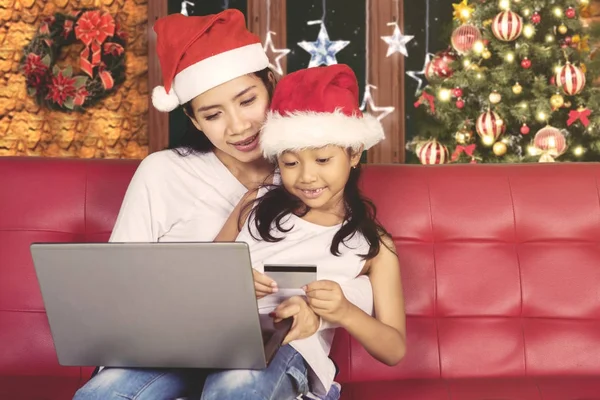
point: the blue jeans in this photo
(284, 378)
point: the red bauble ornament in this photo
(486, 42)
(553, 81)
(464, 37)
(489, 127)
(550, 138)
(457, 92)
(507, 26)
(433, 152)
(460, 104)
(441, 63)
(568, 40)
(430, 71)
(536, 18)
(570, 13)
(571, 79)
(524, 129)
(526, 63)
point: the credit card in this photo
(291, 276)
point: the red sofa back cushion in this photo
(46, 200)
(500, 264)
(501, 270)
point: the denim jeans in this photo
(284, 378)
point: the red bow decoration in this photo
(45, 27)
(581, 114)
(80, 96)
(93, 29)
(105, 77)
(67, 28)
(428, 98)
(468, 150)
(115, 49)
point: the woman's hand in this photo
(327, 300)
(306, 322)
(263, 285)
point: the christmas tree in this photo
(516, 85)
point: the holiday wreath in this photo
(101, 62)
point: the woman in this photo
(218, 71)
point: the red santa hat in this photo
(197, 53)
(316, 107)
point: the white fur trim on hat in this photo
(216, 70)
(302, 130)
(164, 101)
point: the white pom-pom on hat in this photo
(164, 101)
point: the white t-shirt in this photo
(173, 198)
(185, 199)
(308, 243)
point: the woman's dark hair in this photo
(361, 216)
(195, 141)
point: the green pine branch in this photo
(557, 39)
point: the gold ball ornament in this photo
(499, 149)
(517, 88)
(495, 97)
(463, 136)
(486, 54)
(557, 101)
(562, 29)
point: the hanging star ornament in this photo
(462, 11)
(323, 51)
(279, 53)
(415, 74)
(397, 42)
(372, 109)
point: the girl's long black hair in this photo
(360, 216)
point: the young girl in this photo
(217, 70)
(316, 133)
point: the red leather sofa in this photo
(500, 264)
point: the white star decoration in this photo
(415, 74)
(184, 9)
(323, 51)
(280, 53)
(368, 100)
(397, 42)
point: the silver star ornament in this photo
(368, 105)
(415, 74)
(397, 42)
(323, 50)
(279, 53)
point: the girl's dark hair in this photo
(195, 141)
(361, 216)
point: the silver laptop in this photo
(171, 305)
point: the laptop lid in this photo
(172, 305)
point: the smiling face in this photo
(318, 176)
(231, 116)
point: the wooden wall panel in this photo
(387, 74)
(257, 23)
(158, 122)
